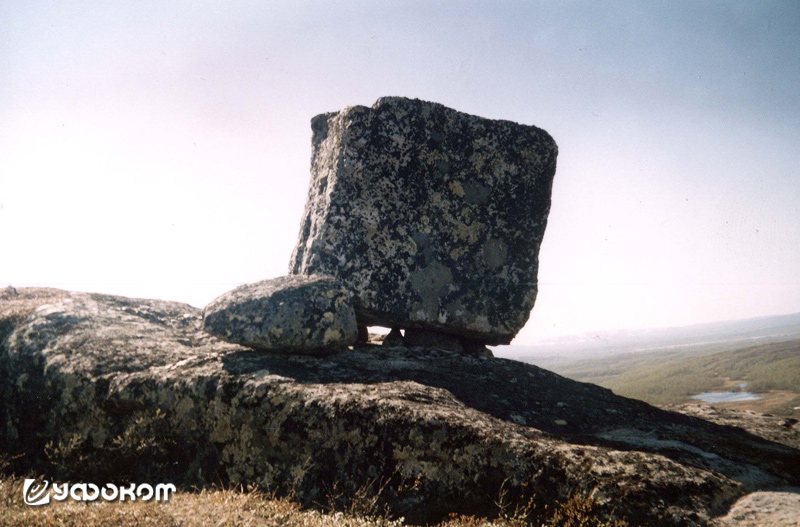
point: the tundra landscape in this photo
(750, 364)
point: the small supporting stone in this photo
(363, 335)
(426, 338)
(394, 339)
(476, 348)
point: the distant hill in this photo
(706, 338)
(668, 366)
(771, 370)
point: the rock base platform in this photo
(97, 387)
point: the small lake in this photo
(726, 397)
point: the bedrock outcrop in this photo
(433, 218)
(103, 388)
(293, 314)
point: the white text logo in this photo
(37, 493)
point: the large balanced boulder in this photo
(432, 217)
(297, 314)
(103, 388)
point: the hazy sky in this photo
(161, 149)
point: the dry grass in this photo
(251, 508)
(210, 507)
(226, 507)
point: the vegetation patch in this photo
(240, 507)
(672, 378)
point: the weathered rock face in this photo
(432, 217)
(102, 388)
(297, 314)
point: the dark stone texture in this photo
(363, 335)
(432, 217)
(103, 388)
(471, 347)
(393, 339)
(294, 314)
(425, 338)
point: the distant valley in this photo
(759, 356)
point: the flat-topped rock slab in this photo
(103, 388)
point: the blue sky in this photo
(161, 149)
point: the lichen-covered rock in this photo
(297, 314)
(432, 217)
(102, 388)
